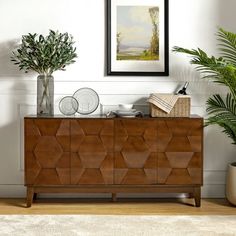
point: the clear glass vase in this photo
(45, 95)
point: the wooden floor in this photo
(121, 207)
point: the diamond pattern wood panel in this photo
(106, 151)
(47, 151)
(135, 152)
(92, 151)
(179, 151)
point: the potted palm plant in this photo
(221, 109)
(45, 55)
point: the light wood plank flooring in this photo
(122, 207)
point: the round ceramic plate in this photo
(131, 111)
(68, 106)
(88, 100)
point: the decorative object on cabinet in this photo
(106, 108)
(88, 100)
(45, 55)
(125, 106)
(125, 110)
(113, 155)
(138, 45)
(45, 95)
(68, 105)
(222, 70)
(183, 89)
(125, 113)
(169, 105)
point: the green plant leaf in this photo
(45, 54)
(222, 70)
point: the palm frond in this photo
(228, 128)
(223, 113)
(205, 64)
(222, 70)
(227, 43)
(212, 68)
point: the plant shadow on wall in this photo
(12, 80)
(220, 108)
(10, 76)
(13, 92)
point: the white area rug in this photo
(86, 225)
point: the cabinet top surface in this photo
(105, 117)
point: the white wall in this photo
(192, 24)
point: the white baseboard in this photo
(12, 191)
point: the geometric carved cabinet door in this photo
(180, 151)
(135, 151)
(47, 151)
(92, 151)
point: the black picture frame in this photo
(109, 68)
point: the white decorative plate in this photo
(127, 113)
(88, 100)
(68, 106)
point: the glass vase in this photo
(45, 95)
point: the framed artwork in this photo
(137, 37)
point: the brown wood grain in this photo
(114, 155)
(92, 151)
(135, 152)
(180, 156)
(47, 154)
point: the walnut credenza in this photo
(113, 155)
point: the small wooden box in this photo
(181, 109)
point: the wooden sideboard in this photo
(113, 155)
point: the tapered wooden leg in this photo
(30, 195)
(197, 196)
(114, 197)
(35, 196)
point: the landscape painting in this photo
(137, 35)
(137, 38)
